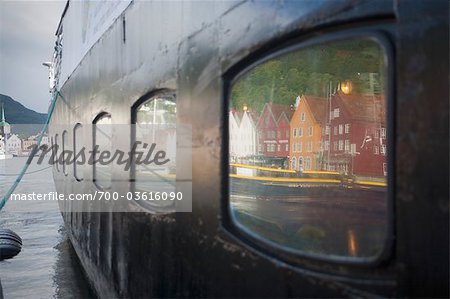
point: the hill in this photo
(22, 120)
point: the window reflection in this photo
(57, 152)
(78, 139)
(63, 152)
(155, 128)
(321, 189)
(102, 139)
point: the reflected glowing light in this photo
(352, 247)
(346, 87)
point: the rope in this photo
(34, 151)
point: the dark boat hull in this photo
(202, 253)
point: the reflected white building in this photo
(14, 145)
(243, 134)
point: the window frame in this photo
(336, 113)
(78, 126)
(347, 128)
(64, 143)
(98, 117)
(259, 57)
(133, 119)
(56, 152)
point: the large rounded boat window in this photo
(102, 134)
(154, 135)
(322, 190)
(56, 152)
(78, 141)
(63, 152)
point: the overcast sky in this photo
(27, 37)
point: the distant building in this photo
(45, 140)
(14, 144)
(306, 142)
(233, 128)
(27, 144)
(2, 144)
(273, 132)
(358, 135)
(243, 135)
(5, 130)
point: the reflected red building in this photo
(273, 131)
(356, 135)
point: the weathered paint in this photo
(188, 47)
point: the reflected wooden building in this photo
(358, 135)
(273, 132)
(307, 125)
(242, 127)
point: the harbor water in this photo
(47, 266)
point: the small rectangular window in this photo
(302, 116)
(347, 128)
(347, 146)
(383, 133)
(336, 113)
(307, 163)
